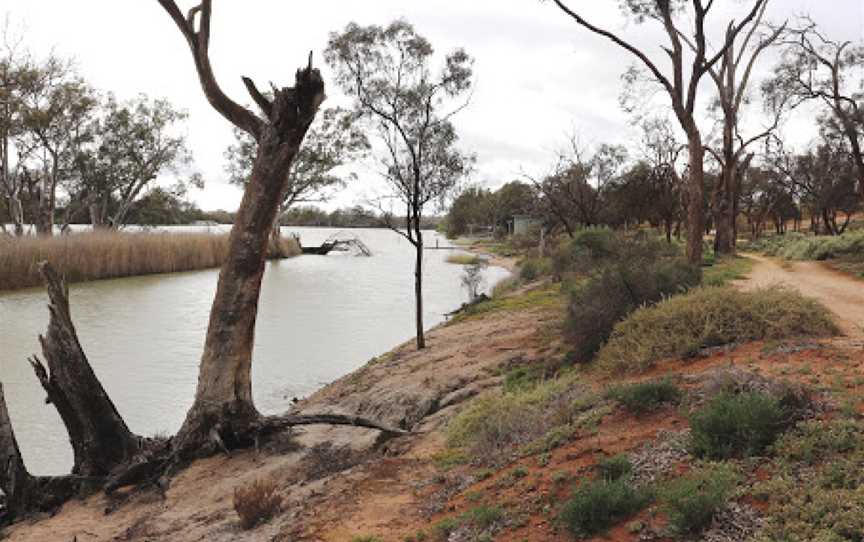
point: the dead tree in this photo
(223, 407)
(99, 436)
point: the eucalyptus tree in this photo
(818, 68)
(409, 104)
(682, 84)
(334, 140)
(15, 71)
(57, 106)
(131, 144)
(732, 76)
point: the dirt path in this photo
(840, 293)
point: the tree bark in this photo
(695, 188)
(418, 290)
(223, 400)
(99, 436)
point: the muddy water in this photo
(319, 318)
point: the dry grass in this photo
(257, 503)
(103, 255)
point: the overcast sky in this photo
(538, 75)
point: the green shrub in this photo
(616, 291)
(533, 268)
(739, 425)
(814, 441)
(595, 506)
(644, 397)
(614, 468)
(798, 246)
(692, 501)
(711, 316)
(483, 517)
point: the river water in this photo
(320, 317)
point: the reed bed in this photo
(103, 255)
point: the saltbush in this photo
(616, 291)
(692, 501)
(597, 505)
(683, 325)
(614, 468)
(644, 397)
(533, 268)
(797, 246)
(737, 425)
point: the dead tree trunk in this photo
(223, 411)
(23, 492)
(100, 438)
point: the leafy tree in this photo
(388, 73)
(130, 146)
(56, 107)
(682, 85)
(817, 68)
(333, 141)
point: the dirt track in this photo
(842, 294)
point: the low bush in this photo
(692, 501)
(496, 424)
(593, 248)
(830, 504)
(798, 246)
(614, 468)
(737, 425)
(257, 503)
(712, 316)
(597, 505)
(534, 268)
(616, 291)
(644, 397)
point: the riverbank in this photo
(505, 431)
(83, 257)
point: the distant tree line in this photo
(70, 153)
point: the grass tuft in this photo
(644, 397)
(257, 503)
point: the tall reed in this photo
(101, 255)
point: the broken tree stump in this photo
(99, 436)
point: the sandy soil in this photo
(338, 484)
(840, 293)
(325, 472)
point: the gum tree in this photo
(691, 58)
(388, 72)
(332, 142)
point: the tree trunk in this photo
(696, 187)
(99, 436)
(223, 411)
(15, 481)
(724, 215)
(418, 293)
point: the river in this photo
(320, 317)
